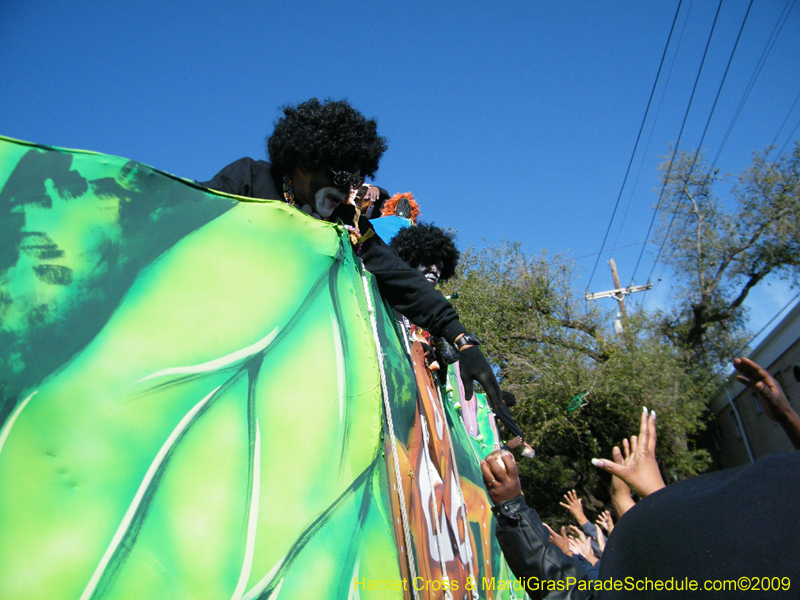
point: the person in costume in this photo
(320, 152)
(432, 251)
(429, 249)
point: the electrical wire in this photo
(760, 331)
(636, 145)
(653, 127)
(789, 114)
(566, 260)
(791, 135)
(756, 72)
(702, 138)
(680, 135)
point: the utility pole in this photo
(620, 292)
(620, 297)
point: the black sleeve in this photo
(509, 424)
(245, 177)
(531, 556)
(407, 290)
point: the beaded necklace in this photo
(288, 191)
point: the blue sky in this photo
(508, 120)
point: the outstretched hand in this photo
(601, 541)
(580, 544)
(770, 394)
(527, 451)
(574, 505)
(560, 540)
(500, 476)
(641, 474)
(605, 521)
(621, 498)
(474, 367)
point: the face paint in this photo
(326, 200)
(432, 272)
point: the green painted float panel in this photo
(191, 395)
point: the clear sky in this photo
(512, 120)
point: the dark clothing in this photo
(735, 526)
(532, 557)
(246, 177)
(406, 289)
(732, 524)
(510, 426)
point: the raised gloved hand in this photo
(474, 367)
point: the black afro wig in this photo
(427, 245)
(509, 398)
(315, 134)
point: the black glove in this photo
(446, 353)
(474, 367)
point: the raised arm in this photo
(641, 474)
(770, 394)
(575, 506)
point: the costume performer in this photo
(319, 153)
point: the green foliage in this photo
(551, 347)
(719, 255)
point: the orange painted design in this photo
(434, 488)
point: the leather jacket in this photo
(544, 570)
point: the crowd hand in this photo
(474, 367)
(527, 451)
(771, 396)
(641, 474)
(574, 505)
(620, 492)
(580, 544)
(500, 476)
(601, 540)
(605, 521)
(562, 541)
(514, 442)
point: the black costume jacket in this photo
(405, 288)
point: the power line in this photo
(791, 135)
(636, 145)
(703, 137)
(764, 55)
(680, 135)
(756, 72)
(653, 128)
(789, 114)
(721, 370)
(566, 260)
(760, 331)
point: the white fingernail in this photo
(595, 462)
(644, 408)
(653, 413)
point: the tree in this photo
(720, 256)
(551, 348)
